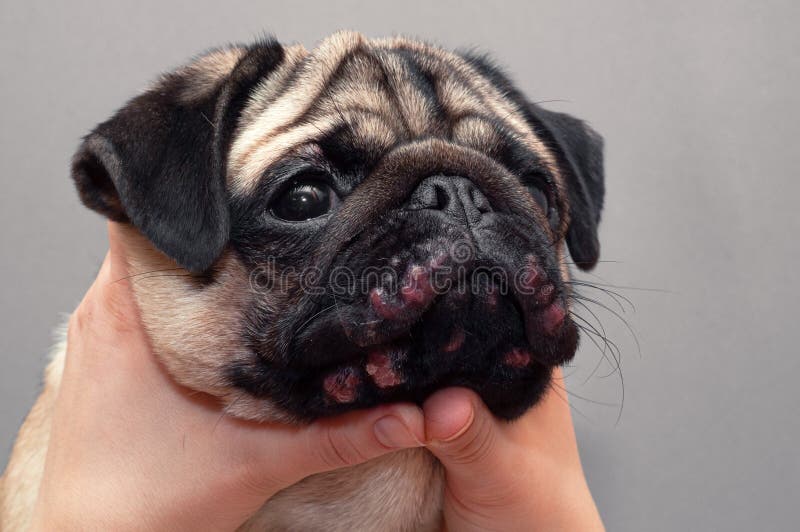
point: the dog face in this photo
(366, 222)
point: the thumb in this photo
(464, 436)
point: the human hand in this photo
(525, 475)
(136, 450)
(131, 449)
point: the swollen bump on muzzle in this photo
(455, 342)
(545, 313)
(416, 293)
(392, 310)
(342, 385)
(380, 368)
(517, 358)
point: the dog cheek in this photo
(193, 329)
(197, 331)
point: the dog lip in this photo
(408, 369)
(384, 320)
(390, 311)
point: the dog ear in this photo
(579, 150)
(160, 162)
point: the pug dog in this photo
(365, 222)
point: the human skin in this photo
(137, 451)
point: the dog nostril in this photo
(455, 196)
(479, 201)
(442, 198)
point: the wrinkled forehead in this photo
(376, 94)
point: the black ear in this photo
(580, 152)
(160, 162)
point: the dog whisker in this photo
(306, 323)
(225, 411)
(127, 277)
(206, 119)
(615, 353)
(616, 297)
(582, 398)
(605, 346)
(558, 391)
(609, 346)
(617, 315)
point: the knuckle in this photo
(475, 445)
(252, 477)
(252, 471)
(74, 326)
(336, 449)
(77, 326)
(119, 314)
(79, 319)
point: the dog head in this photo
(366, 222)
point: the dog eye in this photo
(541, 197)
(305, 200)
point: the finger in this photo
(122, 238)
(360, 436)
(113, 284)
(107, 316)
(110, 292)
(333, 443)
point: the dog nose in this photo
(457, 197)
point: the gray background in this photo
(698, 102)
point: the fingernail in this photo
(393, 433)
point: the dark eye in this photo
(304, 200)
(541, 197)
